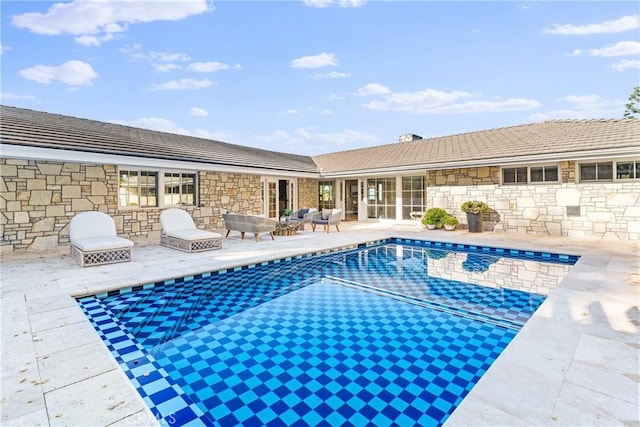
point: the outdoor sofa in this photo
(249, 224)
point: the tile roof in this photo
(53, 131)
(545, 141)
(555, 139)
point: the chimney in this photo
(407, 137)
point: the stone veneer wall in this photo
(39, 198)
(608, 210)
(307, 193)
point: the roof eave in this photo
(502, 161)
(36, 153)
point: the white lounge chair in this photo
(94, 240)
(180, 232)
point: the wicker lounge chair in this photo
(180, 232)
(94, 240)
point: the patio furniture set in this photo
(94, 240)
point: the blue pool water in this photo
(386, 334)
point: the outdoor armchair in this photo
(302, 216)
(327, 218)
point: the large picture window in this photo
(381, 198)
(412, 195)
(138, 188)
(179, 189)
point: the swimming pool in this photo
(394, 332)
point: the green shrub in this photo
(474, 207)
(434, 216)
(450, 220)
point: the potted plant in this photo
(450, 223)
(474, 210)
(433, 218)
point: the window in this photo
(628, 169)
(527, 174)
(326, 198)
(179, 189)
(544, 173)
(381, 198)
(150, 189)
(514, 175)
(596, 171)
(138, 188)
(412, 195)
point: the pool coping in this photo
(54, 373)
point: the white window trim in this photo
(160, 189)
(613, 173)
(529, 182)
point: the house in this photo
(577, 178)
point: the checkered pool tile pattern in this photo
(345, 338)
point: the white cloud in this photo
(198, 112)
(331, 75)
(316, 61)
(93, 22)
(211, 67)
(165, 68)
(73, 73)
(4, 48)
(415, 101)
(298, 140)
(351, 3)
(589, 102)
(373, 89)
(625, 23)
(431, 101)
(13, 97)
(318, 3)
(339, 3)
(625, 64)
(583, 107)
(623, 48)
(135, 52)
(182, 84)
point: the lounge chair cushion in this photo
(192, 234)
(101, 243)
(302, 213)
(326, 213)
(176, 220)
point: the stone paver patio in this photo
(574, 363)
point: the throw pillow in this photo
(302, 212)
(326, 213)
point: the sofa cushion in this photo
(326, 213)
(302, 213)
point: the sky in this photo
(319, 76)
